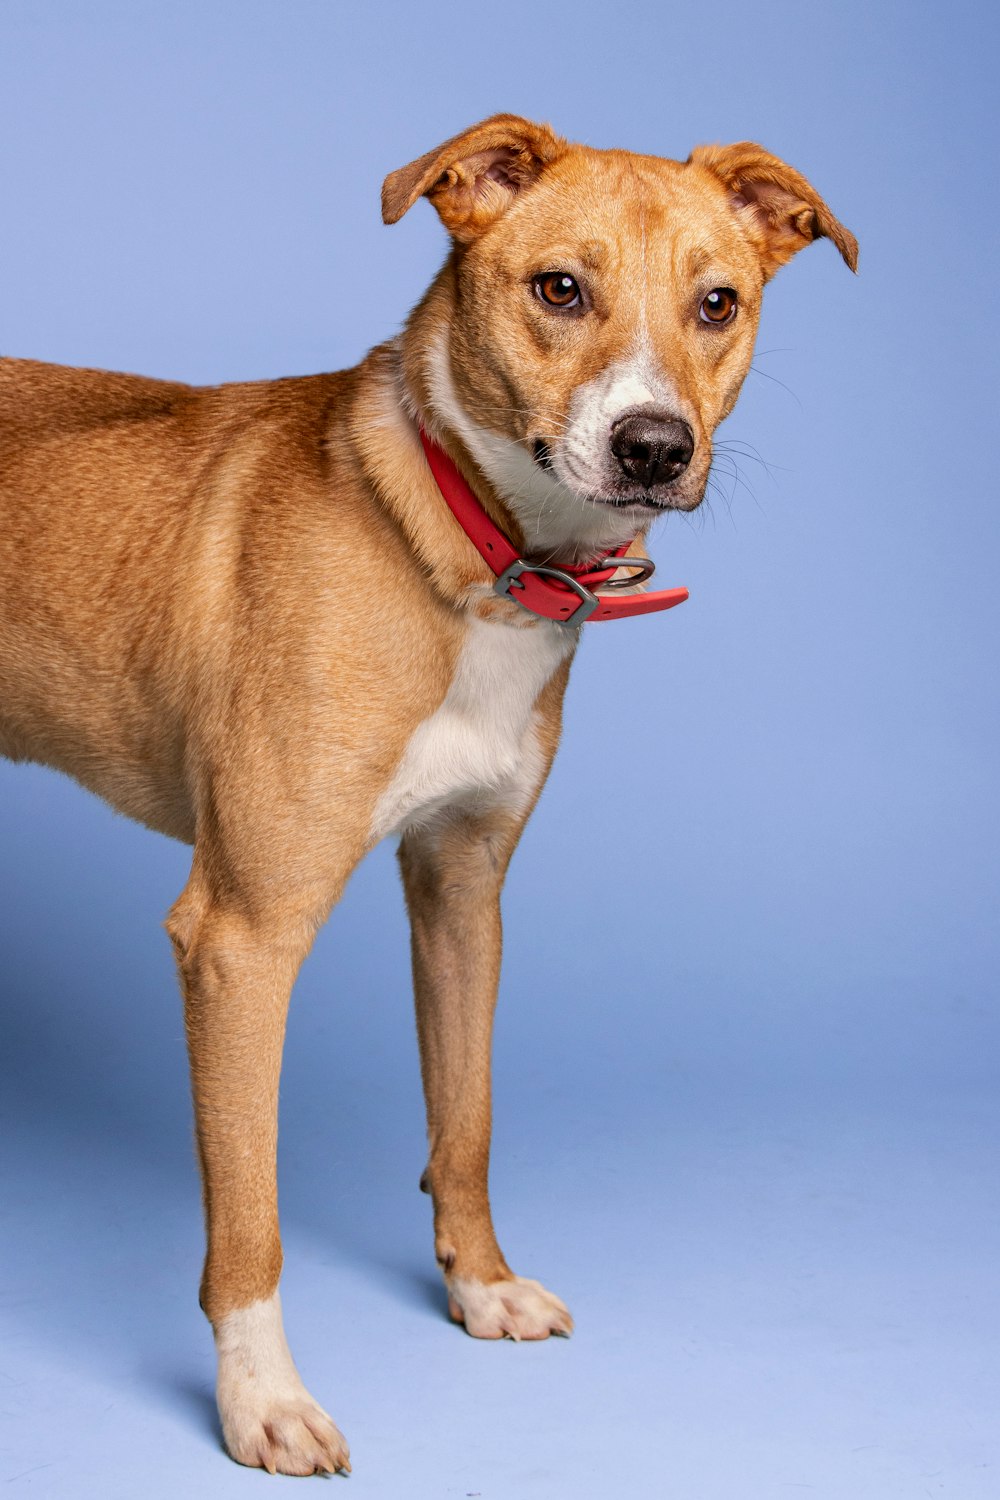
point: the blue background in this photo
(747, 1045)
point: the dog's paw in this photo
(514, 1309)
(269, 1419)
(284, 1435)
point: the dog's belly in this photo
(479, 749)
(133, 786)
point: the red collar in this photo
(563, 593)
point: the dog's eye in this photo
(719, 306)
(557, 289)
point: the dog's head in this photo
(602, 314)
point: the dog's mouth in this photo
(657, 499)
(645, 502)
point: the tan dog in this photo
(246, 617)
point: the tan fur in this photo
(227, 611)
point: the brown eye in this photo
(719, 306)
(557, 289)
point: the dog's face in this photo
(607, 307)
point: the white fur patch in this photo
(269, 1419)
(584, 456)
(515, 1309)
(480, 747)
(252, 1345)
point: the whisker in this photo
(735, 476)
(747, 450)
(713, 488)
(784, 387)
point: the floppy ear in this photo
(475, 177)
(779, 209)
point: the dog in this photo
(283, 620)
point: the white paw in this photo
(282, 1434)
(269, 1420)
(514, 1309)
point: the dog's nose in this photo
(650, 449)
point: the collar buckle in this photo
(508, 587)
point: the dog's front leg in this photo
(237, 964)
(452, 873)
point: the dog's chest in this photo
(480, 747)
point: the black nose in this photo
(650, 449)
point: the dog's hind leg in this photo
(238, 959)
(452, 874)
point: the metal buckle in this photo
(508, 580)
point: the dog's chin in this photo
(647, 503)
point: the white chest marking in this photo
(480, 747)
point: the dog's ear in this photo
(779, 209)
(475, 177)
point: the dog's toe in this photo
(515, 1309)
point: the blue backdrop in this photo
(747, 1054)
